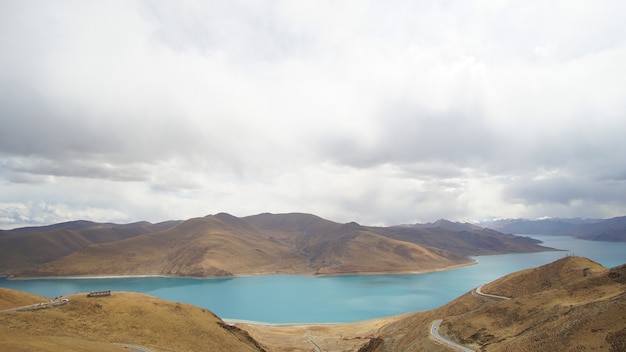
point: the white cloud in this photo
(379, 113)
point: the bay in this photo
(303, 299)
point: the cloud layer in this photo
(368, 111)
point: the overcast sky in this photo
(380, 112)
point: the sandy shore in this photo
(399, 272)
(331, 337)
(87, 277)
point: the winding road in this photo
(434, 332)
(434, 328)
(134, 347)
(309, 336)
(481, 293)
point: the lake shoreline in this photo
(325, 324)
(276, 300)
(369, 273)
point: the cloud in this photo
(361, 111)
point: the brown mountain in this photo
(31, 246)
(113, 322)
(573, 304)
(224, 245)
(463, 240)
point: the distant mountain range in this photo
(613, 230)
(224, 245)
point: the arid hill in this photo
(573, 304)
(27, 247)
(112, 322)
(224, 245)
(465, 242)
(12, 298)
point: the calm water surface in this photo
(298, 299)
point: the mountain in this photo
(573, 304)
(447, 224)
(28, 247)
(467, 241)
(613, 229)
(225, 245)
(110, 323)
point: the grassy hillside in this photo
(573, 304)
(108, 323)
(12, 298)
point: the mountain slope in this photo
(223, 245)
(109, 323)
(12, 298)
(31, 246)
(465, 242)
(211, 246)
(573, 304)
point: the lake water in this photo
(299, 299)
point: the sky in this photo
(379, 112)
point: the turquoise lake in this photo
(303, 299)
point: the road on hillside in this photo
(134, 347)
(434, 332)
(317, 347)
(38, 306)
(481, 293)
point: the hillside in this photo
(613, 229)
(573, 304)
(467, 242)
(225, 245)
(110, 323)
(12, 298)
(28, 247)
